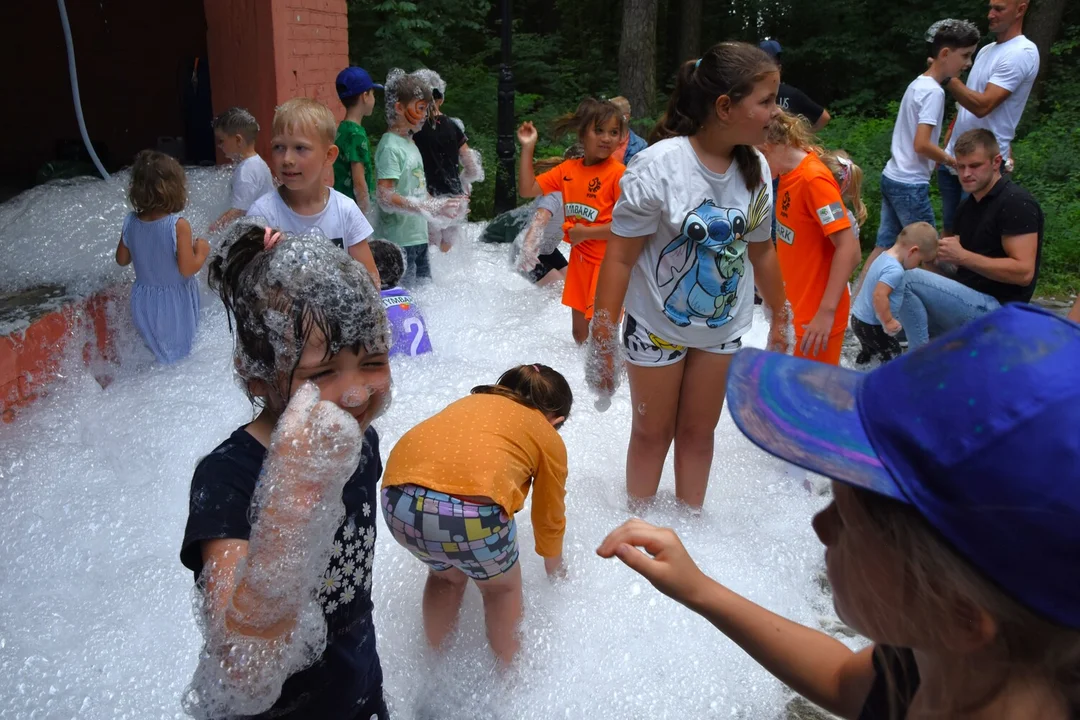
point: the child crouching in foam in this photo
(409, 335)
(280, 532)
(873, 315)
(454, 483)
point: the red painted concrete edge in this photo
(30, 360)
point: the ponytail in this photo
(535, 386)
(729, 68)
(849, 177)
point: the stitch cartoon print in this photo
(706, 261)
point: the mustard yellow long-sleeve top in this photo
(493, 446)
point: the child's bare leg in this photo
(443, 593)
(654, 397)
(502, 613)
(700, 401)
(580, 326)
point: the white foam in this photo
(95, 607)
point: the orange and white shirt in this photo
(589, 195)
(808, 210)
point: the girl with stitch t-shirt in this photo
(462, 476)
(689, 234)
(590, 187)
(953, 535)
(816, 245)
(281, 528)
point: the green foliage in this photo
(854, 56)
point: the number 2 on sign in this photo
(413, 324)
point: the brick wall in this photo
(312, 45)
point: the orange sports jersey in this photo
(589, 194)
(808, 210)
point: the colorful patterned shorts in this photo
(445, 531)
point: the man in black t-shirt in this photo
(992, 260)
(793, 100)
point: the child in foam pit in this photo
(454, 483)
(407, 208)
(281, 529)
(689, 237)
(236, 130)
(953, 536)
(165, 296)
(590, 188)
(354, 171)
(816, 244)
(302, 150)
(409, 334)
(444, 146)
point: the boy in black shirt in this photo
(444, 147)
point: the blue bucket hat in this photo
(979, 431)
(771, 46)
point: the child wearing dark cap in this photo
(354, 172)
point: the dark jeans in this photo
(416, 265)
(951, 196)
(874, 341)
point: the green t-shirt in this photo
(399, 159)
(353, 147)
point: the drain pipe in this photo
(75, 90)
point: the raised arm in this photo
(979, 104)
(818, 667)
(260, 611)
(527, 185)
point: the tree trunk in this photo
(1042, 25)
(637, 56)
(690, 30)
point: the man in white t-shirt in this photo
(905, 181)
(996, 92)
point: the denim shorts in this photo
(901, 205)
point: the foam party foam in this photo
(96, 611)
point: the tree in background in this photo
(637, 55)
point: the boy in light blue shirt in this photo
(873, 314)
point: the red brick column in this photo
(263, 52)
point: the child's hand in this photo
(527, 135)
(667, 565)
(315, 447)
(576, 233)
(893, 327)
(555, 568)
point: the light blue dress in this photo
(164, 303)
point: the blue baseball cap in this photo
(979, 431)
(771, 46)
(354, 81)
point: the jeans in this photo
(951, 196)
(934, 304)
(416, 264)
(901, 205)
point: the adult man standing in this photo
(996, 251)
(996, 92)
(793, 100)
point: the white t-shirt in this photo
(923, 104)
(693, 284)
(553, 231)
(251, 179)
(1012, 66)
(341, 220)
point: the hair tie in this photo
(536, 368)
(270, 239)
(697, 64)
(845, 172)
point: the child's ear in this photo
(331, 154)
